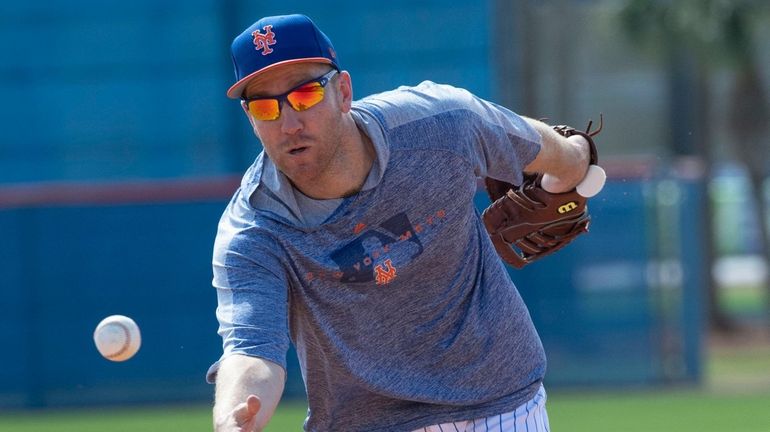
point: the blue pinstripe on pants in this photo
(530, 416)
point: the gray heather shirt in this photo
(401, 312)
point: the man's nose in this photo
(290, 121)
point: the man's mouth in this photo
(297, 150)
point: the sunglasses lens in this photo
(264, 109)
(306, 96)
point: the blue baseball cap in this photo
(274, 41)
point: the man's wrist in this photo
(583, 155)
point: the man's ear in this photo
(345, 88)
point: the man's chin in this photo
(299, 173)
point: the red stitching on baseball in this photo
(126, 344)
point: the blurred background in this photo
(119, 151)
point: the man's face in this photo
(303, 145)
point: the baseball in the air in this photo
(117, 338)
(593, 182)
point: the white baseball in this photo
(117, 338)
(593, 182)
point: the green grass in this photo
(113, 420)
(659, 411)
(171, 418)
(574, 412)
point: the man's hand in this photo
(247, 393)
(572, 177)
(564, 156)
(243, 418)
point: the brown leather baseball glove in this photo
(526, 223)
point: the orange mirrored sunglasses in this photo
(300, 98)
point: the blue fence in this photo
(623, 305)
(72, 266)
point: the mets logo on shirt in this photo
(378, 253)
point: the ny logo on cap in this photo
(263, 41)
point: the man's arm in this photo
(247, 392)
(563, 160)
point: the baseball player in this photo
(354, 236)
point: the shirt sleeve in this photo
(501, 143)
(496, 141)
(506, 145)
(251, 288)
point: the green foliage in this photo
(715, 30)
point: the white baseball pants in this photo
(528, 417)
